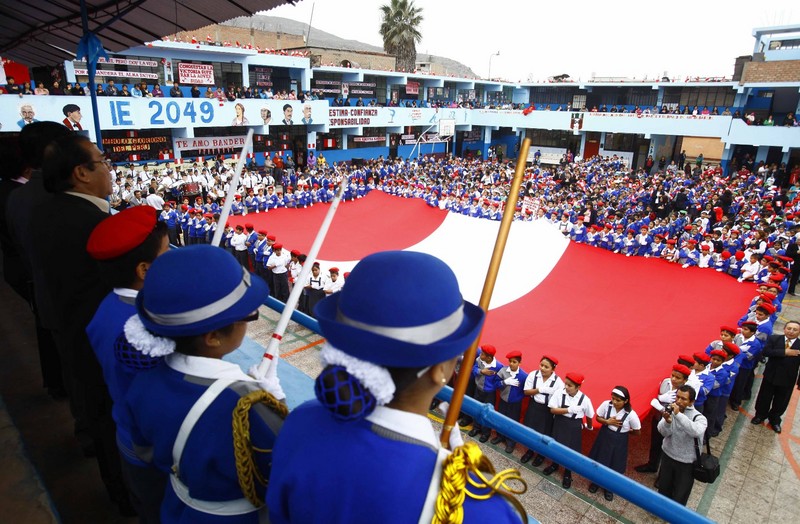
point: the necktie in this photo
(788, 344)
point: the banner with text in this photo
(208, 144)
(200, 74)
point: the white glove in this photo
(667, 398)
(574, 410)
(511, 381)
(455, 439)
(685, 266)
(270, 383)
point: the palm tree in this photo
(399, 29)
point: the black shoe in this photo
(776, 428)
(734, 406)
(549, 470)
(526, 457)
(538, 461)
(497, 440)
(473, 432)
(593, 488)
(756, 421)
(510, 447)
(566, 482)
(608, 495)
(646, 468)
(484, 438)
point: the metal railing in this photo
(609, 479)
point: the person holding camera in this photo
(682, 426)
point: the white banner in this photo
(211, 143)
(117, 74)
(201, 74)
(124, 61)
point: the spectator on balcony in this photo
(124, 91)
(195, 92)
(769, 121)
(175, 90)
(56, 89)
(136, 92)
(111, 89)
(99, 91)
(789, 120)
(77, 90)
(209, 93)
(12, 87)
(41, 89)
(27, 89)
(727, 112)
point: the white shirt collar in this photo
(206, 367)
(126, 292)
(409, 424)
(101, 203)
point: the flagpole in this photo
(465, 374)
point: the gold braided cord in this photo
(243, 448)
(456, 476)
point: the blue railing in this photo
(609, 479)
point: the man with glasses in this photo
(79, 177)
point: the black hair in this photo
(627, 407)
(190, 345)
(35, 137)
(686, 388)
(61, 156)
(553, 364)
(11, 160)
(121, 271)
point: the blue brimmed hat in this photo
(175, 303)
(400, 309)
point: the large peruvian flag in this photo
(617, 320)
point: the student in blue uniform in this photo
(618, 421)
(483, 373)
(125, 245)
(540, 386)
(182, 411)
(751, 348)
(510, 382)
(365, 450)
(573, 411)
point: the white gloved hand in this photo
(574, 410)
(455, 439)
(271, 384)
(685, 266)
(667, 398)
(511, 381)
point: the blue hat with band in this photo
(176, 302)
(400, 309)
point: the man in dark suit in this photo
(19, 214)
(780, 376)
(79, 176)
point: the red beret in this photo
(687, 228)
(766, 298)
(777, 277)
(769, 308)
(346, 274)
(271, 237)
(750, 325)
(768, 258)
(120, 233)
(277, 246)
(575, 378)
(580, 217)
(739, 255)
(671, 241)
(248, 225)
(184, 207)
(237, 197)
(702, 357)
(262, 232)
(729, 329)
(719, 353)
(295, 252)
(514, 354)
(334, 270)
(685, 360)
(551, 358)
(705, 247)
(726, 255)
(488, 349)
(683, 370)
(731, 348)
(692, 241)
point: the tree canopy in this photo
(400, 32)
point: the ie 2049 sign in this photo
(173, 113)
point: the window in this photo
(545, 138)
(551, 95)
(707, 96)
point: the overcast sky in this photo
(617, 38)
